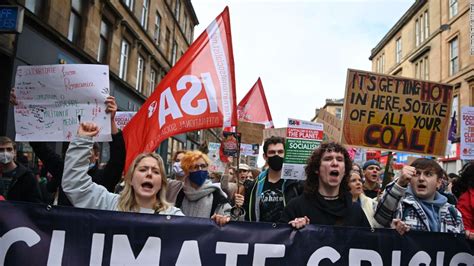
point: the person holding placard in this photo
(108, 176)
(145, 181)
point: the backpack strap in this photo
(179, 199)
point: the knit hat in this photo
(369, 163)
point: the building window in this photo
(422, 69)
(453, 8)
(177, 9)
(34, 6)
(124, 50)
(103, 42)
(152, 82)
(417, 32)
(185, 26)
(144, 19)
(167, 41)
(75, 21)
(380, 64)
(453, 56)
(339, 113)
(422, 28)
(174, 53)
(129, 4)
(426, 29)
(190, 33)
(399, 50)
(140, 70)
(156, 33)
(426, 69)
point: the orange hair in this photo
(187, 162)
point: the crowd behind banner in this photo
(67, 236)
(331, 215)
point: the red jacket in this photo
(2, 198)
(466, 207)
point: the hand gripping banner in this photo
(197, 93)
(34, 234)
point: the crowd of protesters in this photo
(336, 190)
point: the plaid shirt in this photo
(396, 204)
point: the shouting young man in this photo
(326, 199)
(413, 202)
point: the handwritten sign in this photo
(52, 99)
(396, 113)
(467, 133)
(302, 138)
(216, 164)
(122, 118)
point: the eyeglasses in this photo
(198, 167)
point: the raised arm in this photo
(388, 204)
(76, 183)
(112, 172)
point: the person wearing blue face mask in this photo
(199, 197)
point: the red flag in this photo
(197, 93)
(254, 107)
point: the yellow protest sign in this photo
(396, 113)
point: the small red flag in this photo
(254, 107)
(197, 93)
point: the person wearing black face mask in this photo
(267, 196)
(199, 197)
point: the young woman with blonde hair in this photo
(145, 181)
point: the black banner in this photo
(40, 235)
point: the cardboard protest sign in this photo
(302, 138)
(252, 133)
(467, 133)
(53, 99)
(332, 125)
(277, 132)
(396, 113)
(197, 93)
(122, 118)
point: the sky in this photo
(301, 49)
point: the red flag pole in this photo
(236, 211)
